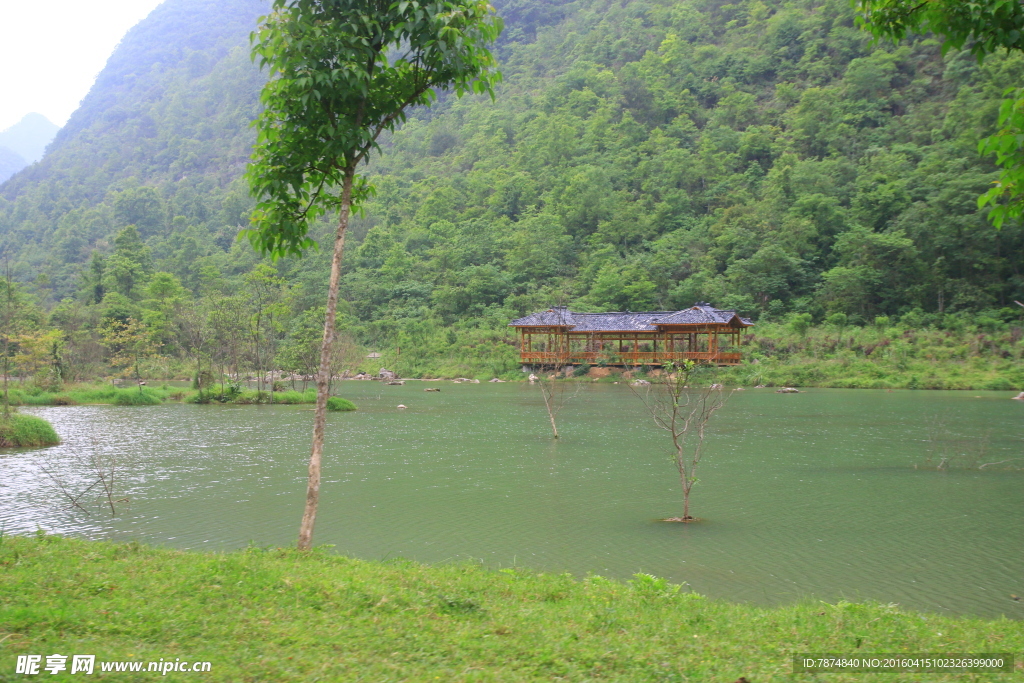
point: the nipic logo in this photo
(33, 665)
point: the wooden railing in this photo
(630, 357)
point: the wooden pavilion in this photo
(700, 333)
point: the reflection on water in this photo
(806, 495)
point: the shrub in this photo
(19, 430)
(999, 384)
(337, 403)
(130, 397)
(581, 370)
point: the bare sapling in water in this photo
(684, 413)
(949, 450)
(556, 394)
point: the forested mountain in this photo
(159, 142)
(762, 155)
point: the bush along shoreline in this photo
(281, 615)
(882, 356)
(86, 394)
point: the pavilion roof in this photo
(553, 317)
(702, 314)
(626, 321)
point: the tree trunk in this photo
(548, 400)
(323, 378)
(684, 480)
(7, 357)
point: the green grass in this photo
(25, 431)
(84, 394)
(277, 615)
(339, 404)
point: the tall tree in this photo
(341, 73)
(984, 25)
(129, 343)
(265, 289)
(10, 308)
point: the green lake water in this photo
(804, 496)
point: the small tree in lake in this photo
(684, 413)
(556, 394)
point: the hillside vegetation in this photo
(759, 155)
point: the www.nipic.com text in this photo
(87, 664)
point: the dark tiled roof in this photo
(559, 315)
(629, 322)
(700, 314)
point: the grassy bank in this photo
(883, 357)
(92, 394)
(84, 394)
(276, 615)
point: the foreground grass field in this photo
(276, 615)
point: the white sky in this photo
(53, 50)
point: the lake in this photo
(826, 494)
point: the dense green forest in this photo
(760, 155)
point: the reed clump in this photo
(238, 396)
(338, 404)
(18, 430)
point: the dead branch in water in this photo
(74, 473)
